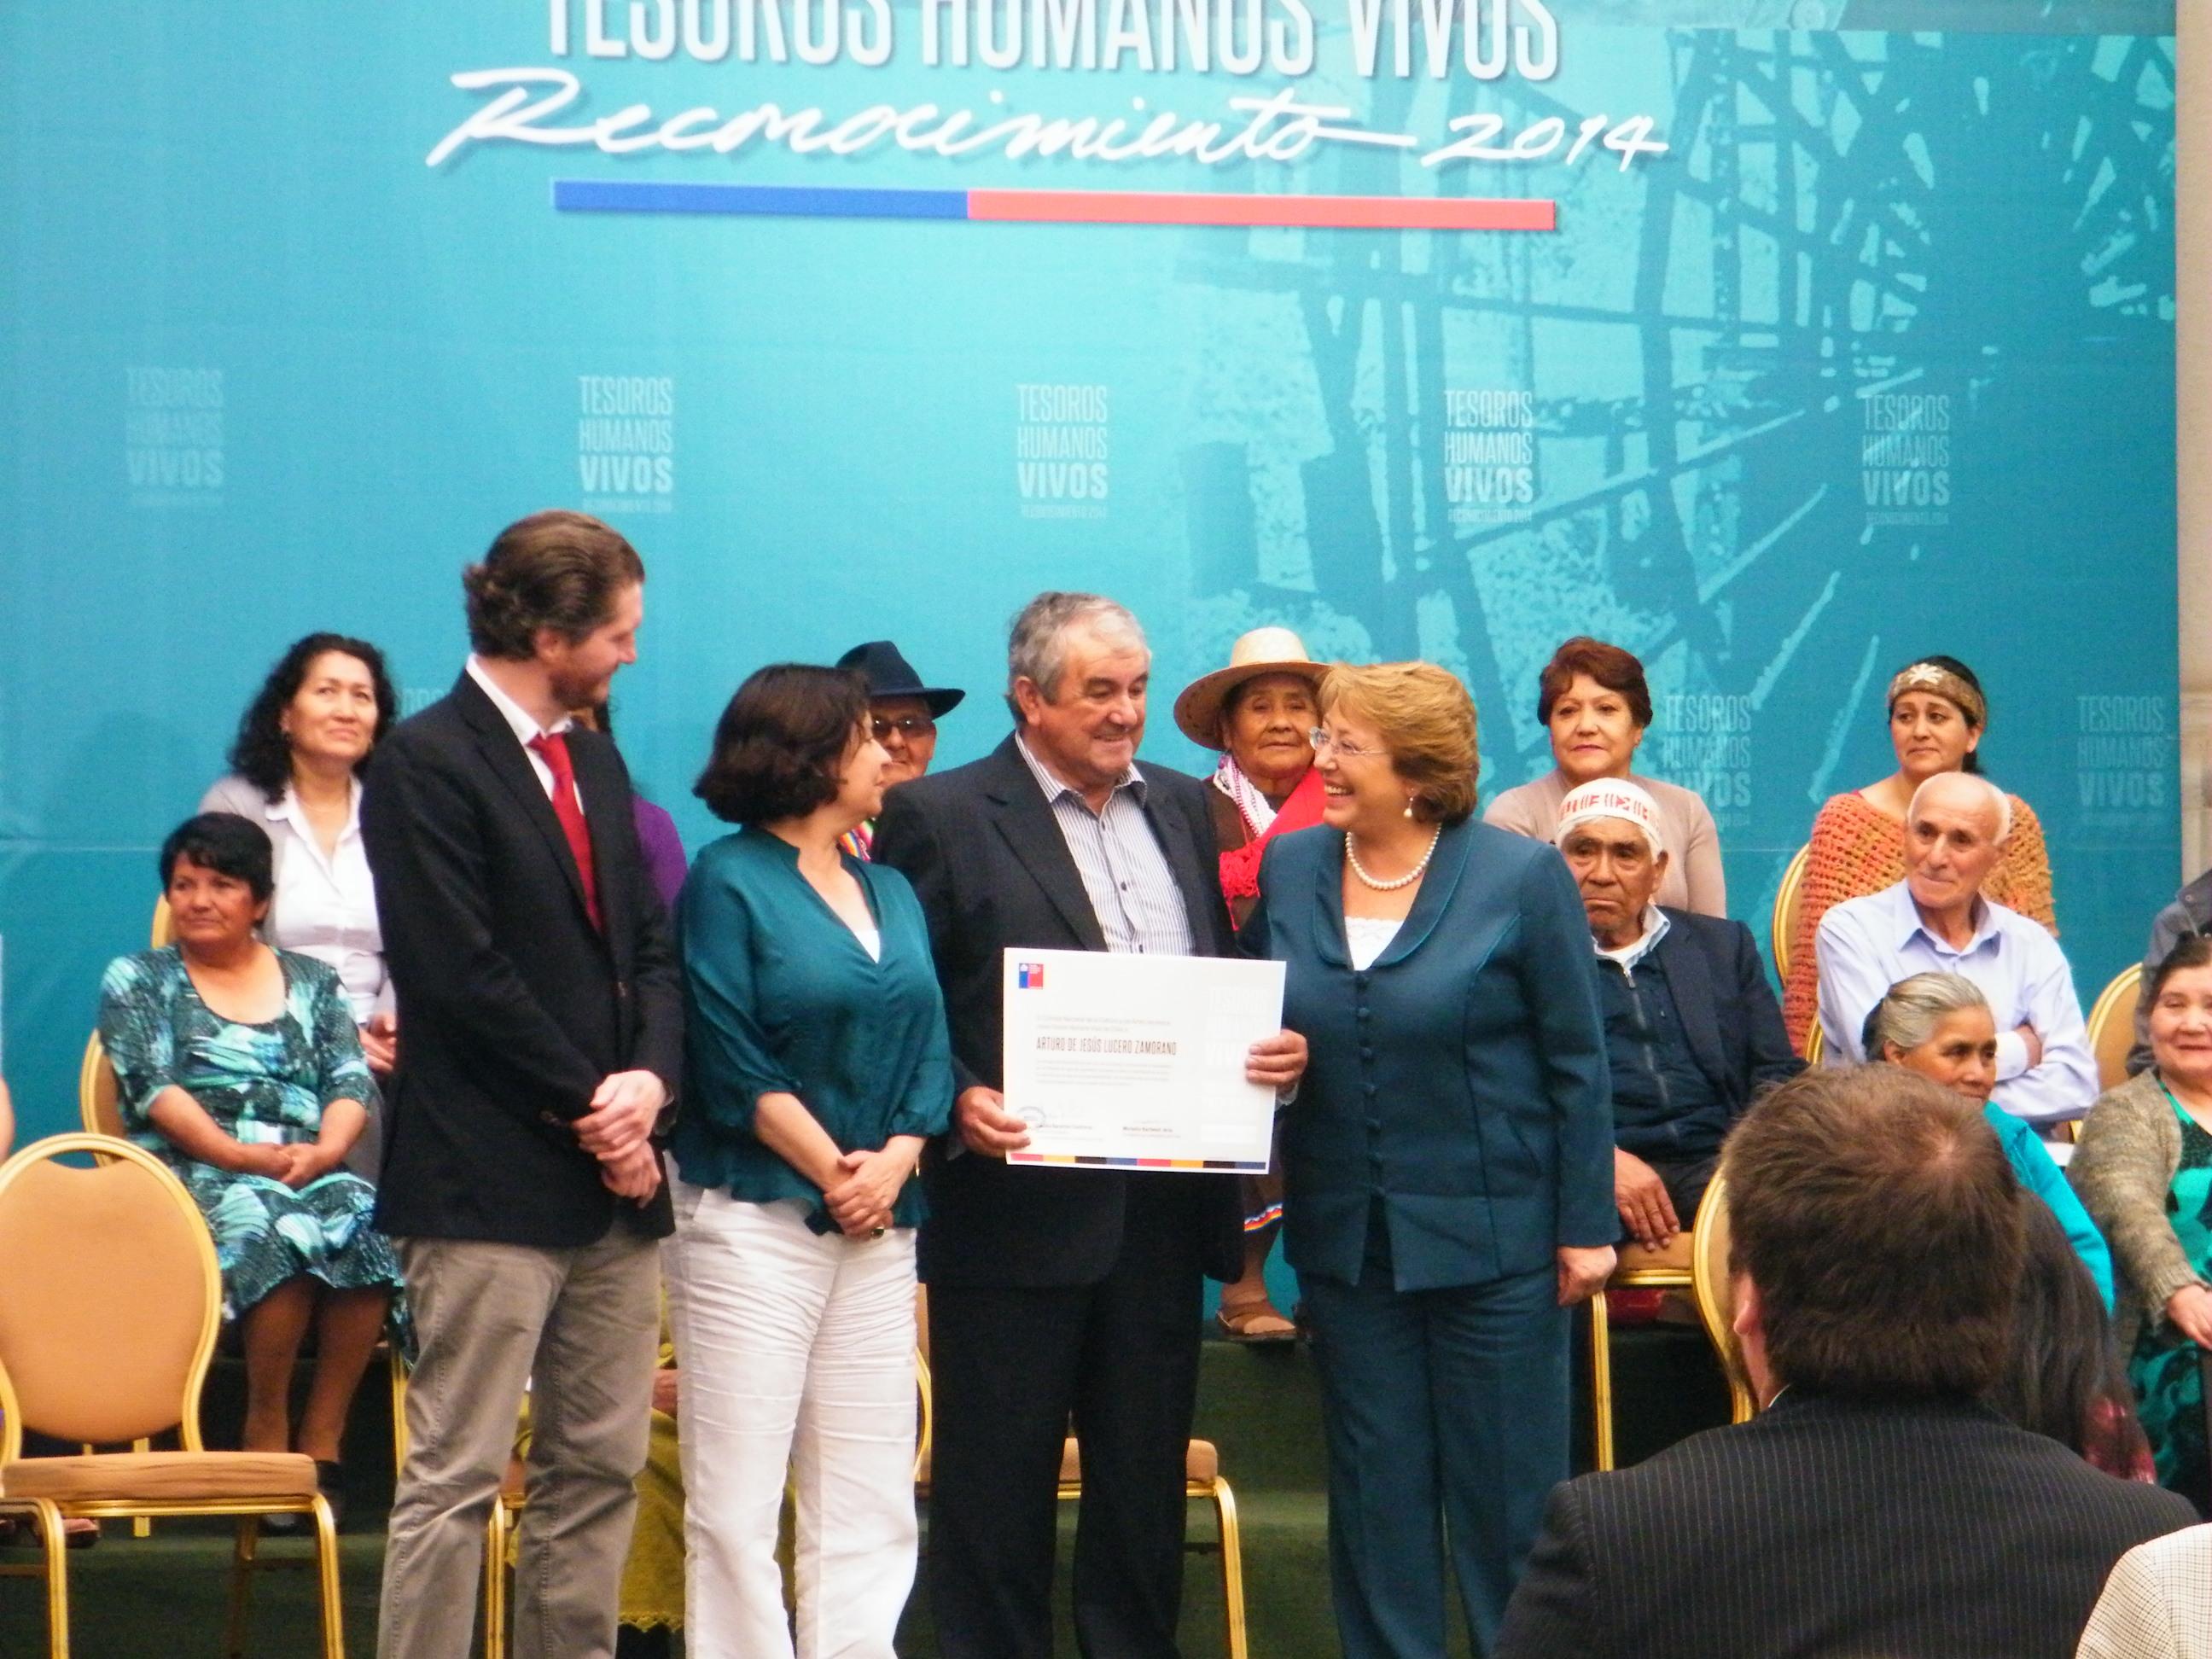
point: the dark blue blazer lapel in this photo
(497, 742)
(1024, 820)
(1689, 979)
(1329, 942)
(1200, 887)
(1440, 881)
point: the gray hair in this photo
(1036, 643)
(1909, 1013)
(1998, 802)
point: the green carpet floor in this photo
(164, 1597)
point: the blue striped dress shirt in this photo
(1131, 889)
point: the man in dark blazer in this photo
(1061, 1293)
(542, 1034)
(1875, 1506)
(1692, 1032)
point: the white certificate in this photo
(1137, 1062)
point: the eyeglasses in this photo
(1323, 743)
(907, 726)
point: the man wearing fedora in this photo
(904, 712)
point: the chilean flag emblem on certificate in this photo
(1029, 976)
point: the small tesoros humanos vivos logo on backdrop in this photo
(2123, 756)
(1490, 455)
(626, 443)
(173, 436)
(1703, 744)
(1061, 449)
(1904, 455)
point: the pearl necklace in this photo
(1352, 855)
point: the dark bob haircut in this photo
(1615, 669)
(780, 744)
(556, 570)
(2189, 951)
(262, 755)
(226, 844)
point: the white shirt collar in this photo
(519, 720)
(286, 809)
(1626, 958)
(1905, 920)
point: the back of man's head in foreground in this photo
(1879, 1222)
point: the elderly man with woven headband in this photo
(1693, 1034)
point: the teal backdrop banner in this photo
(1780, 341)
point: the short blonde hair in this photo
(1426, 721)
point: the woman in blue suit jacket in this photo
(1448, 1155)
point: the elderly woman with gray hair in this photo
(1940, 1025)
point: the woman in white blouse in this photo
(295, 771)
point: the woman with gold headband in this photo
(1937, 715)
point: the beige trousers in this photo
(581, 1328)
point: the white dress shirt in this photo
(325, 902)
(525, 726)
(1865, 946)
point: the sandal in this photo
(1255, 1323)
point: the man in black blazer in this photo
(1875, 1507)
(1061, 1293)
(541, 1037)
(1692, 1032)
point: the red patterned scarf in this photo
(1301, 810)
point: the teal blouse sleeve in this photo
(926, 1109)
(341, 1070)
(2039, 1173)
(731, 1056)
(136, 1030)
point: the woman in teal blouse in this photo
(818, 1065)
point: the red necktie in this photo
(553, 748)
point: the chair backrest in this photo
(164, 931)
(109, 1300)
(1815, 1045)
(1788, 897)
(99, 1099)
(2112, 1026)
(1716, 1292)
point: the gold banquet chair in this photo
(99, 1104)
(1640, 1268)
(1202, 1479)
(1715, 1293)
(2112, 1026)
(107, 1320)
(1789, 902)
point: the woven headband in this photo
(1928, 676)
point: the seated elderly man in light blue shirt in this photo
(1937, 921)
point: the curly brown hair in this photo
(557, 570)
(1615, 669)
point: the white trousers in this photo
(796, 1351)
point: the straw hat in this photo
(1262, 651)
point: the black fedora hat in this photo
(890, 675)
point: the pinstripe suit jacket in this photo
(1857, 1528)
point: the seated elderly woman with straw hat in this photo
(1261, 713)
